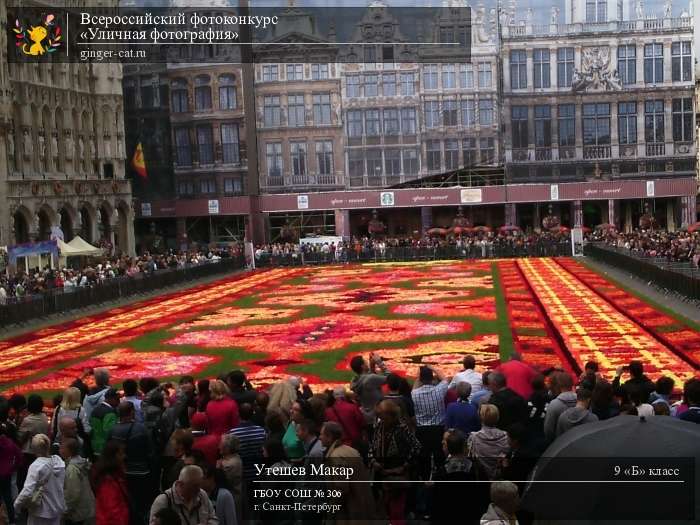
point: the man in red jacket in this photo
(518, 375)
(348, 415)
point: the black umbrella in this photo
(617, 469)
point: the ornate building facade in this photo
(62, 152)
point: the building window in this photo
(449, 113)
(486, 112)
(355, 128)
(627, 64)
(372, 123)
(410, 162)
(567, 125)
(233, 186)
(270, 73)
(408, 84)
(518, 69)
(468, 116)
(408, 121)
(681, 62)
(431, 113)
(322, 108)
(451, 154)
(273, 158)
(519, 122)
(297, 152)
(227, 92)
(356, 163)
(371, 85)
(485, 75)
(374, 166)
(185, 188)
(389, 85)
(541, 63)
(207, 186)
(295, 72)
(596, 124)
(434, 154)
(543, 126)
(182, 147)
(147, 98)
(352, 85)
(205, 145)
(565, 66)
(230, 144)
(654, 121)
(370, 54)
(466, 76)
(682, 119)
(627, 122)
(324, 159)
(430, 76)
(272, 112)
(392, 162)
(178, 96)
(295, 110)
(391, 121)
(449, 77)
(653, 63)
(319, 71)
(469, 152)
(487, 149)
(596, 11)
(202, 93)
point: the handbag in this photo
(36, 498)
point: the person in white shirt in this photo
(468, 375)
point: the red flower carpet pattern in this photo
(311, 321)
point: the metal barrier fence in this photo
(64, 299)
(408, 254)
(682, 278)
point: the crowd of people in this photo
(25, 284)
(678, 246)
(188, 453)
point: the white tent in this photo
(77, 247)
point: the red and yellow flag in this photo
(138, 162)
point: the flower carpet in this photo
(311, 321)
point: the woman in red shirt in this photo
(111, 495)
(222, 411)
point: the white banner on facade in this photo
(302, 202)
(145, 209)
(213, 207)
(554, 192)
(650, 188)
(386, 198)
(470, 195)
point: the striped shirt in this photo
(429, 401)
(252, 438)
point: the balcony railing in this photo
(326, 179)
(596, 152)
(543, 154)
(643, 25)
(300, 180)
(656, 149)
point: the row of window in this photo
(298, 157)
(271, 72)
(179, 99)
(376, 162)
(208, 186)
(230, 146)
(596, 120)
(681, 65)
(296, 113)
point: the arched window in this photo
(178, 94)
(202, 93)
(227, 92)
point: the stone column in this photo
(426, 218)
(688, 210)
(511, 214)
(612, 215)
(577, 213)
(671, 215)
(181, 233)
(628, 227)
(537, 217)
(342, 223)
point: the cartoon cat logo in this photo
(37, 40)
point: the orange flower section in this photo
(593, 329)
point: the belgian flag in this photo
(138, 162)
